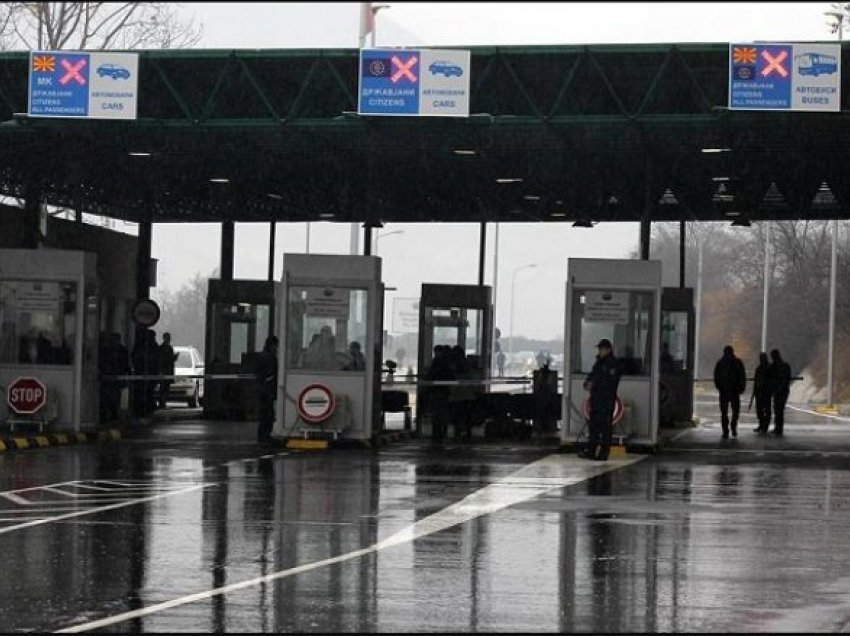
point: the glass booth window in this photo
(326, 328)
(674, 341)
(624, 317)
(37, 322)
(239, 331)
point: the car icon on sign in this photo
(113, 70)
(445, 68)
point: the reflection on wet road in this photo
(212, 534)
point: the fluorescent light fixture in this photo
(558, 214)
(715, 150)
(326, 215)
(460, 151)
(531, 197)
(139, 154)
(509, 180)
(732, 213)
(219, 180)
(720, 178)
(276, 197)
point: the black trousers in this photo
(266, 417)
(600, 428)
(779, 400)
(727, 400)
(763, 410)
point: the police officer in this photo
(266, 376)
(602, 383)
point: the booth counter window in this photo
(326, 329)
(624, 317)
(37, 322)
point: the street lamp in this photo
(378, 236)
(513, 293)
(837, 14)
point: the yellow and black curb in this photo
(382, 439)
(58, 439)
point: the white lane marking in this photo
(549, 473)
(90, 487)
(11, 496)
(810, 412)
(91, 511)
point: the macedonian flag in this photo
(44, 63)
(744, 55)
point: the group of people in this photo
(448, 404)
(147, 358)
(322, 354)
(771, 386)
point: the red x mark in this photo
(774, 64)
(73, 72)
(403, 69)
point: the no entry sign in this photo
(316, 403)
(26, 396)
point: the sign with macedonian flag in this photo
(83, 85)
(804, 77)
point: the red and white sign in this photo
(618, 410)
(316, 403)
(26, 396)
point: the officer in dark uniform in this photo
(266, 376)
(602, 383)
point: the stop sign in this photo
(26, 396)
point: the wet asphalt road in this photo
(750, 535)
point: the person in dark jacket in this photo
(167, 358)
(436, 398)
(730, 379)
(780, 384)
(602, 383)
(762, 393)
(266, 376)
(145, 359)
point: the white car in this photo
(189, 363)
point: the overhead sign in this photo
(605, 306)
(429, 82)
(86, 85)
(804, 77)
(26, 396)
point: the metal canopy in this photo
(598, 133)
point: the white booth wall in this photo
(633, 326)
(344, 294)
(49, 319)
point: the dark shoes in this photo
(725, 435)
(586, 454)
(734, 432)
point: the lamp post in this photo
(378, 236)
(513, 294)
(838, 15)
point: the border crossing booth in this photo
(458, 317)
(49, 320)
(619, 300)
(331, 325)
(241, 314)
(676, 391)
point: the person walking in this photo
(730, 379)
(266, 377)
(601, 383)
(167, 358)
(762, 393)
(780, 384)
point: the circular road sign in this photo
(618, 410)
(316, 403)
(145, 313)
(26, 396)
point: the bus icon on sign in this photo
(816, 64)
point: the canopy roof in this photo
(595, 132)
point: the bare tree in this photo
(94, 26)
